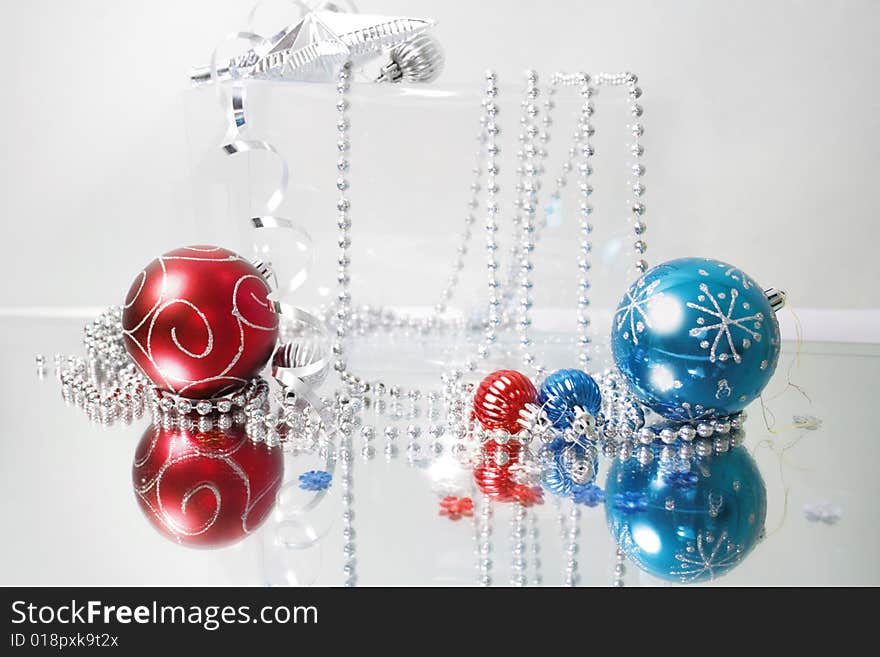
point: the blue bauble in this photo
(565, 389)
(686, 521)
(695, 338)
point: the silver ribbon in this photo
(236, 146)
(291, 378)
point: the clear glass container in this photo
(413, 151)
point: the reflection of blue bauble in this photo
(565, 389)
(695, 338)
(569, 466)
(687, 521)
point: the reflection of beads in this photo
(619, 568)
(518, 546)
(570, 574)
(483, 537)
(533, 540)
(349, 567)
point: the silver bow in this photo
(314, 48)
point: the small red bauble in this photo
(197, 322)
(205, 490)
(499, 399)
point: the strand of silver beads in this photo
(637, 170)
(527, 202)
(635, 184)
(534, 542)
(518, 545)
(494, 290)
(343, 307)
(580, 154)
(582, 149)
(619, 569)
(573, 530)
(483, 539)
(644, 453)
(456, 392)
(637, 188)
(368, 319)
(109, 387)
(469, 221)
(349, 551)
(343, 222)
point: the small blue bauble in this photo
(695, 338)
(686, 521)
(565, 389)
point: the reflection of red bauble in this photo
(493, 478)
(197, 321)
(500, 397)
(206, 489)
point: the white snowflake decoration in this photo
(706, 555)
(726, 322)
(635, 305)
(738, 275)
(825, 512)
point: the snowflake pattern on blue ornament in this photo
(635, 303)
(738, 275)
(725, 324)
(701, 559)
(315, 480)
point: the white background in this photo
(764, 121)
(764, 114)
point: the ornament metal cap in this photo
(776, 298)
(265, 271)
(419, 59)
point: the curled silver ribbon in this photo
(268, 221)
(236, 146)
(293, 378)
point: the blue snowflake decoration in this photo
(588, 495)
(631, 501)
(315, 480)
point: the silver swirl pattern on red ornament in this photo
(198, 323)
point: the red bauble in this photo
(197, 321)
(208, 489)
(500, 397)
